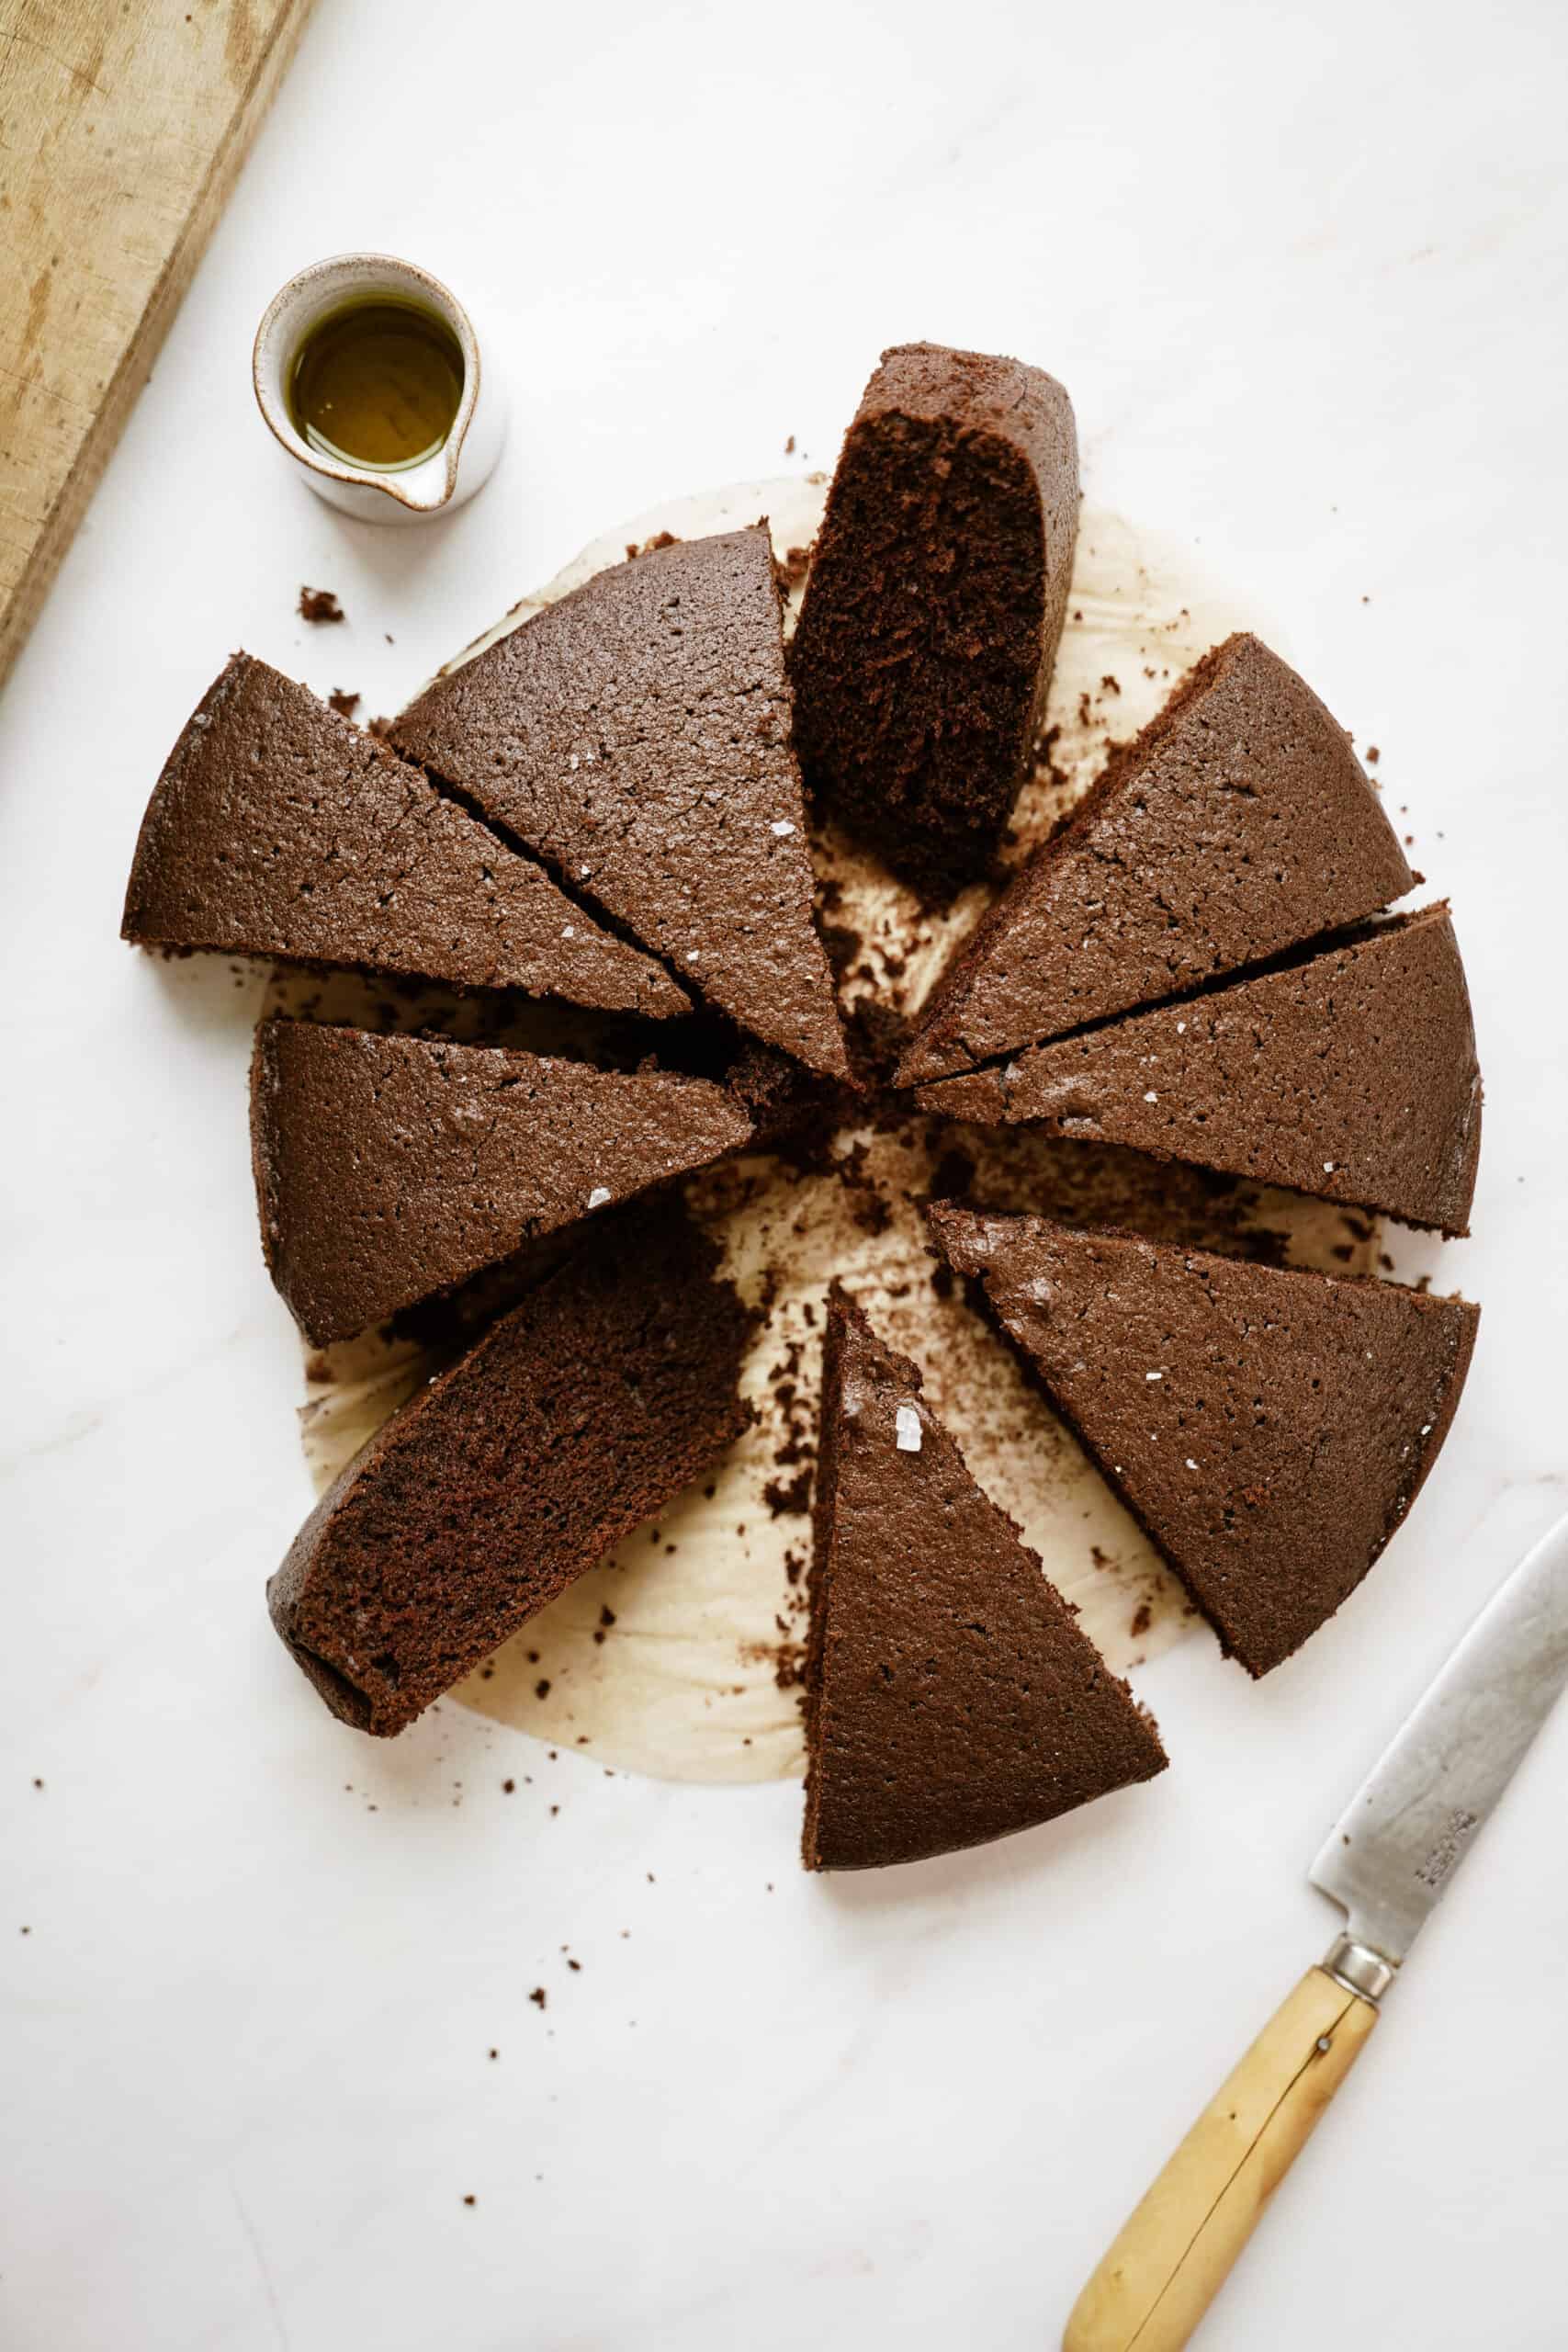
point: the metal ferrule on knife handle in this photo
(1359, 1968)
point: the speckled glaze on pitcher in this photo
(439, 484)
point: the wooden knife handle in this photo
(1176, 2248)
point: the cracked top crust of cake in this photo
(1351, 1073)
(950, 1698)
(935, 606)
(1268, 1429)
(389, 1169)
(636, 736)
(1237, 824)
(578, 1414)
(279, 828)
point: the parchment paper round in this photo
(678, 1656)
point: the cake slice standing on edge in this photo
(950, 1695)
(1267, 1430)
(1239, 823)
(637, 736)
(1350, 1074)
(935, 606)
(278, 828)
(389, 1169)
(576, 1417)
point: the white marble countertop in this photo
(1302, 273)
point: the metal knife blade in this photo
(1394, 1848)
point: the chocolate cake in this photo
(1268, 1429)
(950, 1696)
(576, 1417)
(1351, 1073)
(1238, 824)
(636, 736)
(279, 828)
(935, 606)
(389, 1168)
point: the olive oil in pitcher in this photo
(377, 384)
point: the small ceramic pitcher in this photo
(440, 482)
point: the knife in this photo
(1387, 1860)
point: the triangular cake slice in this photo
(1238, 824)
(951, 1697)
(636, 736)
(1350, 1074)
(279, 828)
(576, 1417)
(1268, 1429)
(934, 605)
(389, 1169)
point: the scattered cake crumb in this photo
(317, 605)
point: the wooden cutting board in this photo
(123, 124)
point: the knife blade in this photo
(1387, 1860)
(1391, 1855)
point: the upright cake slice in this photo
(278, 829)
(579, 1415)
(950, 1696)
(1350, 1074)
(1237, 824)
(1268, 1429)
(934, 605)
(636, 736)
(391, 1168)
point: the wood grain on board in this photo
(123, 124)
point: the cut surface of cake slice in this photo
(1268, 1429)
(636, 736)
(951, 1697)
(390, 1169)
(935, 606)
(577, 1416)
(1238, 824)
(1351, 1073)
(278, 828)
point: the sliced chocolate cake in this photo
(576, 1417)
(935, 606)
(950, 1695)
(1351, 1073)
(389, 1168)
(1267, 1430)
(278, 828)
(636, 736)
(1239, 823)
